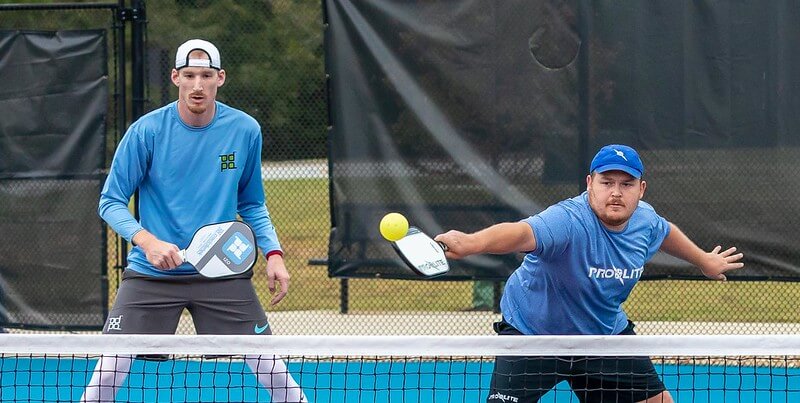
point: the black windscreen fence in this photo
(54, 103)
(461, 114)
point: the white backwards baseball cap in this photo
(182, 55)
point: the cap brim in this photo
(619, 167)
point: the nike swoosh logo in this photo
(260, 329)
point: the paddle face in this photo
(222, 249)
(421, 253)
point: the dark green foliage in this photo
(272, 53)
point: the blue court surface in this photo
(52, 379)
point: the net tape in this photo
(649, 345)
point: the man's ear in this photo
(221, 78)
(642, 188)
(175, 77)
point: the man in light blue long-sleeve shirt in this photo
(195, 161)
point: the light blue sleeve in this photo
(552, 229)
(127, 170)
(251, 201)
(660, 231)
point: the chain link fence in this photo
(55, 255)
(273, 54)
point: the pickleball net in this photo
(181, 368)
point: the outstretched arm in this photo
(498, 239)
(713, 264)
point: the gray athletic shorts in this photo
(153, 305)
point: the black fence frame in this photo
(122, 16)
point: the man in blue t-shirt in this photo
(583, 257)
(195, 161)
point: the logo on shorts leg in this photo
(115, 323)
(503, 398)
(260, 329)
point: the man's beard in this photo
(196, 109)
(613, 221)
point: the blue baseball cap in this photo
(618, 157)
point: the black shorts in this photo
(153, 305)
(592, 379)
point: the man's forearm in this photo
(679, 245)
(143, 238)
(506, 237)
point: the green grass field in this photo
(304, 231)
(730, 301)
(304, 227)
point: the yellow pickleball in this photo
(394, 226)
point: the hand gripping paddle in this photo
(222, 249)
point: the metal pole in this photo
(584, 76)
(138, 27)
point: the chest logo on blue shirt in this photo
(616, 274)
(227, 161)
